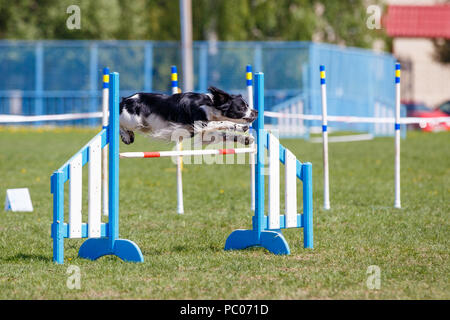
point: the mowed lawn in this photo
(184, 256)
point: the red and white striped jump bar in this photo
(160, 154)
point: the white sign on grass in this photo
(18, 200)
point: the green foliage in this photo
(342, 22)
(265, 20)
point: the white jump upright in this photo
(326, 183)
(105, 110)
(249, 77)
(397, 203)
(180, 205)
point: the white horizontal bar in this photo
(7, 118)
(350, 138)
(404, 120)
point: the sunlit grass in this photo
(184, 256)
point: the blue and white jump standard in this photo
(266, 231)
(103, 237)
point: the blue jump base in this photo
(273, 241)
(95, 248)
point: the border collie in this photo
(160, 115)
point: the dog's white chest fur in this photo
(152, 125)
(135, 122)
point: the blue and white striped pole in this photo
(105, 110)
(326, 185)
(180, 205)
(397, 203)
(174, 78)
(249, 78)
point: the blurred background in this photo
(52, 53)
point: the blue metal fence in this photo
(359, 83)
(56, 77)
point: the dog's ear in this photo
(220, 97)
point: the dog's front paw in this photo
(249, 140)
(127, 136)
(246, 140)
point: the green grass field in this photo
(184, 256)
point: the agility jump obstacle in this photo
(396, 120)
(103, 238)
(266, 230)
(176, 89)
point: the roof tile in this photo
(418, 21)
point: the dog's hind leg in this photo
(126, 136)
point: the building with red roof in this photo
(418, 21)
(413, 28)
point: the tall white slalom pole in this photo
(180, 205)
(397, 203)
(105, 116)
(249, 77)
(326, 185)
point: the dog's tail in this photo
(121, 103)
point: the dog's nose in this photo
(252, 117)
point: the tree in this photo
(331, 21)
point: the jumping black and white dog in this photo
(159, 115)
